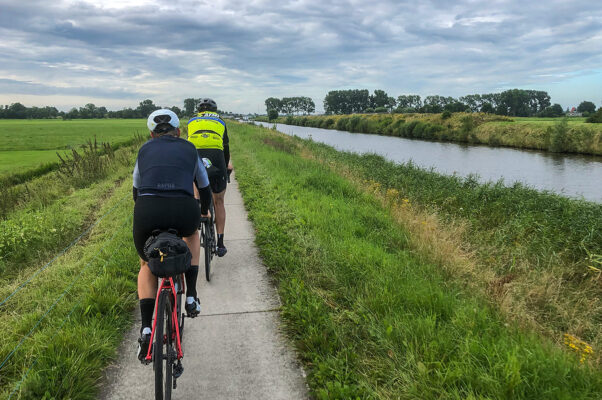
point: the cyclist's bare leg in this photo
(147, 290)
(220, 211)
(192, 303)
(147, 282)
(194, 244)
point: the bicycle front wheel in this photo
(163, 353)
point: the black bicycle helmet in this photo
(207, 105)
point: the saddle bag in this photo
(168, 255)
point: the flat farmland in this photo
(26, 144)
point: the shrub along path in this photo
(234, 350)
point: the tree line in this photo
(514, 102)
(91, 111)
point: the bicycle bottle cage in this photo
(168, 255)
(211, 169)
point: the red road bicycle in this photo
(166, 337)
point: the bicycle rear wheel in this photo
(206, 243)
(163, 353)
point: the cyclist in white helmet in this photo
(167, 169)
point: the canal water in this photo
(574, 176)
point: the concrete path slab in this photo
(234, 349)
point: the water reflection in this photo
(571, 175)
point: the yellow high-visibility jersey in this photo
(206, 131)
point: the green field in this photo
(26, 144)
(20, 161)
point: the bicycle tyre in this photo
(162, 352)
(208, 243)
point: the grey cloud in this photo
(22, 87)
(306, 45)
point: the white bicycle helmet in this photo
(162, 117)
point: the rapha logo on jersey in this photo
(166, 186)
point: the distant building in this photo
(573, 113)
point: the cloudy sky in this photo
(118, 52)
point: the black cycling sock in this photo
(147, 307)
(191, 276)
(220, 240)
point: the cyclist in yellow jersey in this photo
(209, 134)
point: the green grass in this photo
(33, 233)
(59, 134)
(370, 316)
(21, 161)
(79, 336)
(72, 314)
(25, 144)
(530, 251)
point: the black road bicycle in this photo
(208, 240)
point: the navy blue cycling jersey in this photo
(167, 166)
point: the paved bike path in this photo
(234, 349)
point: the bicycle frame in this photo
(168, 284)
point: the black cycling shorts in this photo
(153, 212)
(218, 180)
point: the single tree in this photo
(273, 103)
(586, 106)
(552, 111)
(487, 108)
(190, 106)
(177, 111)
(145, 108)
(380, 98)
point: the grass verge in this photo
(536, 255)
(70, 318)
(370, 315)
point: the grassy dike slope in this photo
(548, 134)
(371, 316)
(67, 317)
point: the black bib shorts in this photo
(154, 212)
(219, 179)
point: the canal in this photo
(570, 175)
